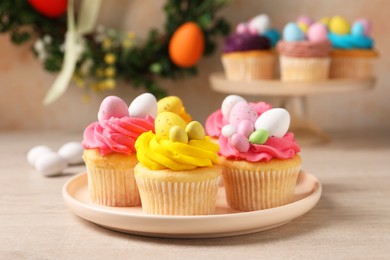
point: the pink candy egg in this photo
(366, 24)
(317, 33)
(242, 111)
(245, 127)
(112, 106)
(240, 142)
(305, 19)
(242, 28)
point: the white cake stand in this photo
(294, 96)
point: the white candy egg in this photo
(228, 103)
(143, 105)
(228, 130)
(36, 152)
(259, 24)
(72, 152)
(51, 164)
(276, 121)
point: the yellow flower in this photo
(109, 72)
(109, 84)
(127, 43)
(106, 43)
(99, 72)
(110, 58)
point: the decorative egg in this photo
(242, 111)
(228, 103)
(276, 121)
(164, 121)
(240, 142)
(186, 45)
(51, 164)
(245, 127)
(317, 33)
(305, 20)
(50, 8)
(292, 33)
(366, 24)
(259, 136)
(36, 152)
(177, 134)
(112, 106)
(242, 28)
(304, 27)
(228, 130)
(72, 152)
(259, 24)
(325, 21)
(357, 29)
(143, 105)
(171, 104)
(339, 25)
(195, 131)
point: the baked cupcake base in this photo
(111, 179)
(167, 192)
(304, 69)
(262, 185)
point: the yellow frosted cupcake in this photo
(177, 172)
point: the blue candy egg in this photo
(273, 35)
(292, 33)
(357, 29)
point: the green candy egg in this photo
(259, 136)
(195, 130)
(177, 134)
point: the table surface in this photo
(351, 220)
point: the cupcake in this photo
(248, 54)
(259, 157)
(109, 151)
(304, 52)
(353, 53)
(177, 172)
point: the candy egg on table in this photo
(112, 106)
(34, 153)
(178, 134)
(339, 25)
(242, 111)
(317, 33)
(259, 24)
(292, 33)
(164, 121)
(228, 103)
(143, 105)
(72, 152)
(357, 29)
(276, 121)
(195, 130)
(50, 164)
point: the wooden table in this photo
(351, 220)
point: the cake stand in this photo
(294, 97)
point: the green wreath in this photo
(107, 55)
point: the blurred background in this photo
(24, 83)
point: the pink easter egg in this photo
(112, 106)
(245, 127)
(305, 19)
(240, 143)
(366, 24)
(317, 33)
(242, 111)
(242, 28)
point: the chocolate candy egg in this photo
(242, 111)
(259, 136)
(144, 104)
(112, 106)
(50, 164)
(72, 152)
(357, 29)
(245, 127)
(366, 24)
(305, 20)
(259, 24)
(339, 25)
(325, 21)
(276, 121)
(164, 121)
(172, 104)
(195, 131)
(36, 152)
(317, 33)
(304, 27)
(242, 28)
(177, 134)
(228, 130)
(239, 142)
(292, 33)
(228, 103)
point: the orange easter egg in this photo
(186, 45)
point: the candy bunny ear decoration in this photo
(112, 106)
(143, 105)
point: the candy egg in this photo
(304, 27)
(72, 152)
(172, 104)
(112, 106)
(195, 131)
(245, 127)
(276, 121)
(273, 35)
(325, 21)
(242, 28)
(242, 111)
(228, 103)
(36, 152)
(305, 20)
(228, 130)
(144, 104)
(357, 29)
(259, 24)
(317, 33)
(339, 25)
(177, 134)
(366, 24)
(51, 164)
(259, 136)
(164, 121)
(239, 142)
(292, 33)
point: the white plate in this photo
(225, 222)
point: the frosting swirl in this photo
(158, 154)
(304, 48)
(116, 135)
(273, 148)
(349, 41)
(245, 42)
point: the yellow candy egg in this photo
(325, 20)
(339, 25)
(304, 27)
(172, 104)
(195, 130)
(165, 121)
(177, 134)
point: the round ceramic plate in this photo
(225, 222)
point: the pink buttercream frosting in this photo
(278, 148)
(116, 135)
(216, 121)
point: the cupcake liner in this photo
(248, 190)
(249, 67)
(352, 67)
(112, 187)
(178, 198)
(304, 69)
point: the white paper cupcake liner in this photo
(351, 67)
(304, 69)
